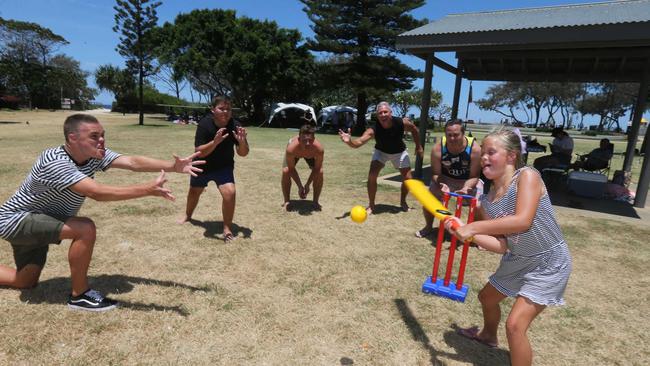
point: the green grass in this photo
(309, 288)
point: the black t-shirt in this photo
(391, 140)
(224, 154)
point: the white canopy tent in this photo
(337, 116)
(288, 114)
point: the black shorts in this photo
(220, 176)
(310, 161)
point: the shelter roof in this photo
(597, 42)
(606, 41)
(611, 12)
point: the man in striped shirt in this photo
(44, 209)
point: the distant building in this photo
(67, 103)
(9, 101)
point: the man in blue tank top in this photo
(388, 133)
(455, 167)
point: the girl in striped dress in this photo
(516, 219)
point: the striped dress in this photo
(46, 190)
(537, 264)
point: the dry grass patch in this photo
(296, 287)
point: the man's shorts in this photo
(220, 176)
(311, 162)
(32, 237)
(399, 160)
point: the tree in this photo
(256, 62)
(533, 95)
(364, 32)
(327, 89)
(25, 52)
(441, 113)
(119, 82)
(168, 73)
(29, 40)
(436, 98)
(172, 79)
(403, 100)
(505, 95)
(134, 19)
(609, 101)
(563, 98)
(272, 64)
(68, 80)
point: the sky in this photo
(87, 25)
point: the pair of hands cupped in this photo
(185, 165)
(222, 134)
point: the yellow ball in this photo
(358, 214)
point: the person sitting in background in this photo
(561, 150)
(597, 159)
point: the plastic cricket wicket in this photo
(446, 287)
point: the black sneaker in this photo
(91, 300)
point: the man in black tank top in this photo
(389, 146)
(455, 167)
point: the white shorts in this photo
(399, 160)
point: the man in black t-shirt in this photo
(217, 138)
(388, 133)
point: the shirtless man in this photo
(303, 146)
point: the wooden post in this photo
(424, 112)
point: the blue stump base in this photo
(439, 289)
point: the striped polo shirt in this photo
(46, 190)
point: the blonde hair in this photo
(510, 141)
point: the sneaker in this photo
(91, 300)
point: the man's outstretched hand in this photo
(159, 190)
(345, 136)
(187, 165)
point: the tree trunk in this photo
(258, 109)
(362, 106)
(140, 92)
(600, 124)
